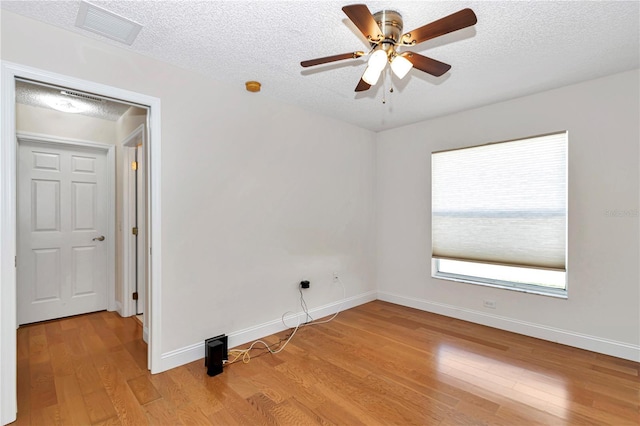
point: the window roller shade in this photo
(503, 203)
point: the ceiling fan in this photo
(383, 31)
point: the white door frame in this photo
(111, 194)
(8, 323)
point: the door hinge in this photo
(134, 230)
(135, 295)
(134, 165)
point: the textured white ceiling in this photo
(515, 49)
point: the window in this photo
(499, 214)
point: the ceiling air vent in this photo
(105, 23)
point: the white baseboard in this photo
(565, 337)
(195, 351)
(145, 334)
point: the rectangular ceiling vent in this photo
(106, 23)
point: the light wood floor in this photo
(378, 363)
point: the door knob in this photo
(100, 238)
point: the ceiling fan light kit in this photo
(383, 30)
(376, 64)
(371, 75)
(378, 60)
(401, 66)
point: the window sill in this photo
(506, 285)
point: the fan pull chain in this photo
(384, 87)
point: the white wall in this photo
(256, 195)
(602, 311)
(130, 121)
(75, 126)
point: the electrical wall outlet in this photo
(491, 304)
(336, 277)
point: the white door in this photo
(62, 223)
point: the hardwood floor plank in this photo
(237, 406)
(75, 346)
(143, 389)
(629, 394)
(49, 415)
(127, 366)
(263, 405)
(376, 364)
(99, 406)
(24, 391)
(192, 414)
(113, 421)
(23, 343)
(161, 412)
(68, 323)
(629, 374)
(525, 415)
(53, 332)
(111, 341)
(291, 412)
(194, 390)
(87, 375)
(138, 351)
(73, 411)
(43, 389)
(436, 385)
(335, 403)
(244, 388)
(624, 410)
(38, 345)
(170, 390)
(124, 401)
(61, 359)
(67, 388)
(91, 341)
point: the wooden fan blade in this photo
(428, 65)
(333, 58)
(360, 15)
(362, 86)
(455, 21)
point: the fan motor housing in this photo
(390, 22)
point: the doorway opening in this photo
(72, 197)
(11, 73)
(134, 213)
